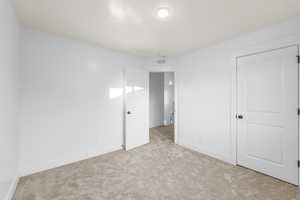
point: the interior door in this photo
(136, 108)
(267, 113)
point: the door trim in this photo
(124, 110)
(234, 99)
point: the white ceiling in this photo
(132, 25)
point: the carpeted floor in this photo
(160, 170)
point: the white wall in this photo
(9, 38)
(71, 106)
(205, 89)
(156, 99)
(168, 98)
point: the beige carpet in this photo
(160, 170)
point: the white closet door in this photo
(267, 113)
(136, 108)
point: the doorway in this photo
(267, 119)
(162, 105)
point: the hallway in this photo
(159, 170)
(164, 134)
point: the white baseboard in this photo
(12, 189)
(224, 158)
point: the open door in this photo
(136, 108)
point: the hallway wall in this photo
(169, 98)
(156, 99)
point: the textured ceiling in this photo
(132, 25)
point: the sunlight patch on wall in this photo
(115, 92)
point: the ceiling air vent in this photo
(161, 60)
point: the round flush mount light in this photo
(163, 12)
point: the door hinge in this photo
(298, 163)
(298, 111)
(298, 58)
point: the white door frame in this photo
(253, 51)
(175, 99)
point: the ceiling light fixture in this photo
(163, 13)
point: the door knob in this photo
(128, 112)
(239, 116)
